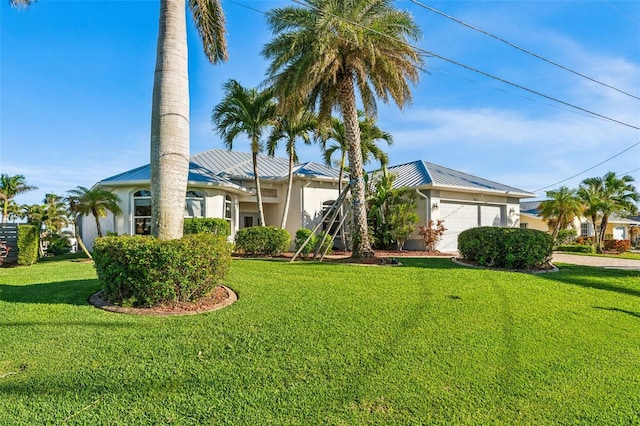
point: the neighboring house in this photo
(459, 199)
(618, 227)
(221, 185)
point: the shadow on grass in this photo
(633, 314)
(594, 277)
(72, 292)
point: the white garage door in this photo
(490, 216)
(457, 218)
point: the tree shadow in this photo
(633, 314)
(594, 277)
(71, 292)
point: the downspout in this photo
(427, 210)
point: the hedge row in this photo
(212, 225)
(28, 244)
(511, 248)
(265, 240)
(144, 271)
(576, 248)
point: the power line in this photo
(470, 68)
(590, 168)
(522, 49)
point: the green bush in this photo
(301, 236)
(327, 245)
(566, 237)
(58, 245)
(144, 271)
(28, 243)
(577, 248)
(511, 248)
(212, 225)
(619, 246)
(265, 240)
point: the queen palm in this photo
(97, 202)
(291, 127)
(560, 208)
(245, 111)
(325, 51)
(10, 187)
(170, 107)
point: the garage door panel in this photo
(490, 216)
(457, 218)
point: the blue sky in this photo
(76, 80)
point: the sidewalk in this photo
(603, 262)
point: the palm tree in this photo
(561, 208)
(96, 202)
(247, 111)
(170, 107)
(325, 51)
(34, 214)
(55, 213)
(10, 186)
(291, 128)
(607, 195)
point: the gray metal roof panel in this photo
(240, 164)
(197, 173)
(315, 169)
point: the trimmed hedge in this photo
(212, 225)
(619, 246)
(28, 244)
(265, 240)
(301, 236)
(577, 248)
(510, 248)
(143, 271)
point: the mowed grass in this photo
(316, 344)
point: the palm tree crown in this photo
(96, 202)
(561, 208)
(245, 111)
(10, 187)
(324, 51)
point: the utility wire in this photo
(617, 9)
(590, 168)
(522, 49)
(470, 68)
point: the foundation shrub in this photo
(212, 225)
(619, 246)
(144, 271)
(301, 236)
(510, 248)
(263, 240)
(28, 242)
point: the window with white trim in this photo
(142, 212)
(194, 204)
(586, 229)
(227, 208)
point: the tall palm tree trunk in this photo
(170, 123)
(97, 218)
(361, 246)
(343, 239)
(79, 238)
(287, 200)
(256, 178)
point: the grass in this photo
(315, 344)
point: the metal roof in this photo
(219, 166)
(422, 173)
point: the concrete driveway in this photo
(603, 262)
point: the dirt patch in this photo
(220, 298)
(381, 257)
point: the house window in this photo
(142, 212)
(227, 208)
(586, 229)
(524, 225)
(194, 205)
(326, 226)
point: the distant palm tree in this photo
(604, 196)
(327, 50)
(96, 202)
(55, 213)
(560, 208)
(245, 111)
(170, 107)
(33, 213)
(10, 186)
(291, 127)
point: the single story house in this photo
(460, 200)
(221, 185)
(618, 227)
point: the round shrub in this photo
(144, 271)
(510, 248)
(301, 236)
(265, 240)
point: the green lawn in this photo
(316, 344)
(625, 255)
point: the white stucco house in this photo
(221, 185)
